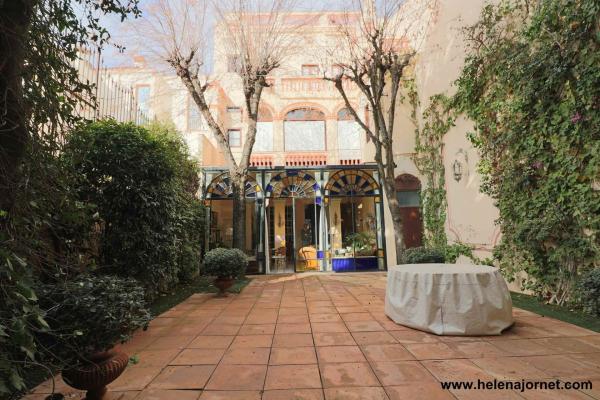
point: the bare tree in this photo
(256, 39)
(375, 48)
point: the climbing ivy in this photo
(437, 119)
(531, 84)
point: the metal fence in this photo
(109, 98)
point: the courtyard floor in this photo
(325, 336)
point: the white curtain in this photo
(349, 135)
(264, 136)
(304, 135)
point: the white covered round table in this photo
(449, 299)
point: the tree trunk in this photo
(238, 181)
(395, 211)
(15, 18)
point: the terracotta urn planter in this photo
(223, 284)
(102, 369)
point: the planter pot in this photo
(102, 369)
(223, 284)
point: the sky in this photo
(121, 32)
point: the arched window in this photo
(220, 187)
(292, 184)
(304, 130)
(348, 134)
(264, 131)
(351, 183)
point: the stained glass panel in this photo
(220, 187)
(351, 183)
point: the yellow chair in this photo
(308, 256)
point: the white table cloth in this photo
(449, 299)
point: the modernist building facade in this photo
(314, 198)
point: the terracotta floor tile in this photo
(231, 395)
(330, 354)
(360, 316)
(400, 372)
(347, 375)
(292, 355)
(364, 326)
(237, 377)
(183, 377)
(554, 395)
(293, 340)
(230, 320)
(562, 366)
(356, 393)
(134, 378)
(293, 377)
(251, 355)
(364, 338)
(433, 351)
(160, 394)
(522, 347)
(293, 311)
(333, 339)
(171, 342)
(259, 329)
(319, 327)
(455, 370)
(478, 349)
(293, 319)
(350, 309)
(323, 310)
(413, 336)
(429, 391)
(565, 345)
(211, 342)
(252, 341)
(198, 357)
(221, 329)
(293, 394)
(155, 358)
(509, 368)
(282, 329)
(325, 318)
(386, 352)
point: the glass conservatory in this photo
(297, 220)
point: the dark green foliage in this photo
(91, 314)
(589, 292)
(142, 184)
(531, 84)
(225, 263)
(453, 251)
(422, 255)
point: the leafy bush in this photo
(143, 185)
(453, 251)
(589, 291)
(538, 138)
(91, 314)
(225, 263)
(422, 255)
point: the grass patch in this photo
(202, 284)
(575, 317)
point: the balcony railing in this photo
(309, 87)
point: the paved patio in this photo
(317, 336)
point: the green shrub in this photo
(589, 292)
(143, 184)
(91, 314)
(225, 263)
(422, 255)
(453, 251)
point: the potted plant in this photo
(225, 265)
(87, 317)
(362, 243)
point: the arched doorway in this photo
(219, 202)
(408, 193)
(353, 214)
(293, 201)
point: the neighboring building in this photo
(314, 197)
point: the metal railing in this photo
(109, 98)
